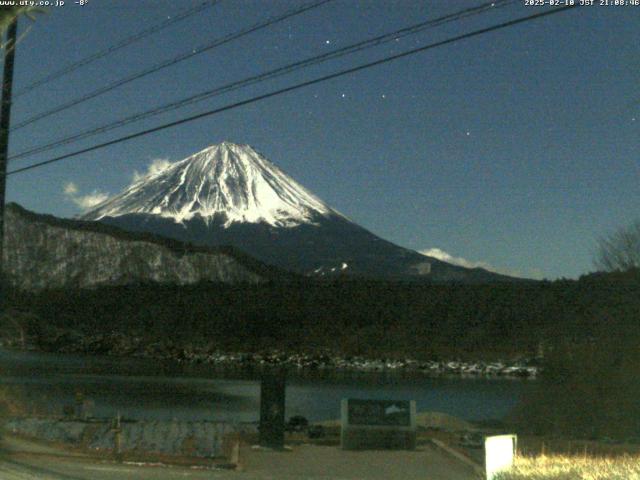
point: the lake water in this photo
(150, 389)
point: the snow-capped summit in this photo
(227, 181)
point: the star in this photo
(468, 134)
(384, 96)
(327, 42)
(343, 95)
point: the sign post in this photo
(378, 424)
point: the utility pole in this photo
(272, 406)
(5, 114)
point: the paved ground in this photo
(320, 463)
(57, 469)
(21, 460)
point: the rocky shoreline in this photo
(134, 347)
(301, 361)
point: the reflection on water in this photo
(139, 388)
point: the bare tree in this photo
(619, 250)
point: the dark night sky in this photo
(515, 149)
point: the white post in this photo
(499, 452)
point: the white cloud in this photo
(85, 202)
(154, 168)
(447, 257)
(70, 188)
(463, 262)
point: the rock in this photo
(443, 421)
(472, 440)
(297, 423)
(316, 431)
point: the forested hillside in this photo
(346, 316)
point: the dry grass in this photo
(562, 467)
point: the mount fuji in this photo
(229, 194)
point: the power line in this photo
(125, 42)
(297, 87)
(173, 61)
(353, 48)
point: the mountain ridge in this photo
(15, 211)
(229, 194)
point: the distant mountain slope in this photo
(42, 251)
(229, 194)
